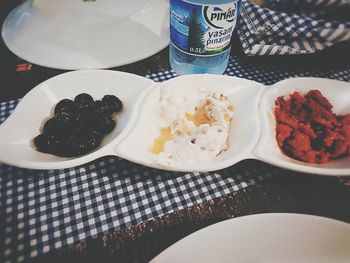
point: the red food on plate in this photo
(308, 130)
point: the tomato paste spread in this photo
(308, 130)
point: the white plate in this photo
(77, 34)
(252, 131)
(265, 238)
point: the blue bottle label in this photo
(203, 30)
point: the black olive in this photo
(75, 147)
(55, 143)
(79, 144)
(81, 147)
(64, 105)
(83, 101)
(84, 119)
(41, 142)
(48, 143)
(69, 145)
(74, 128)
(66, 116)
(100, 108)
(92, 139)
(105, 124)
(98, 135)
(53, 126)
(66, 110)
(113, 102)
(90, 121)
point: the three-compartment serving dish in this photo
(251, 134)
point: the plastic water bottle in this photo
(200, 34)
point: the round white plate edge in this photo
(162, 256)
(67, 67)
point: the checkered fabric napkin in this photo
(291, 26)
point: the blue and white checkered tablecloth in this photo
(44, 210)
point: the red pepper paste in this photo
(308, 130)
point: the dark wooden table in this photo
(287, 192)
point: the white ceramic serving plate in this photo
(265, 238)
(18, 131)
(267, 150)
(244, 131)
(252, 132)
(77, 34)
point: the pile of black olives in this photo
(78, 126)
